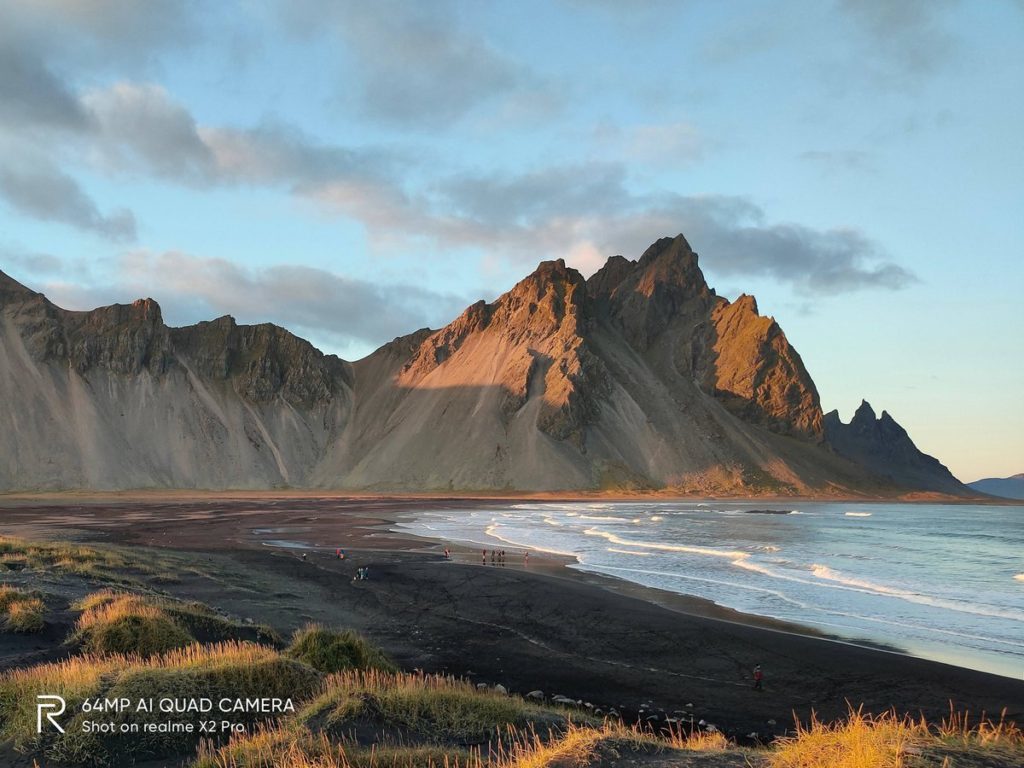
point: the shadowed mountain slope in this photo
(884, 448)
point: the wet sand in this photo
(536, 627)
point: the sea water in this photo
(944, 582)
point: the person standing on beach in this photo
(758, 678)
(526, 558)
(483, 557)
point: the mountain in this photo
(1007, 487)
(113, 398)
(884, 447)
(639, 378)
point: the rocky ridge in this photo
(639, 377)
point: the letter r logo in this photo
(52, 706)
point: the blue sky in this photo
(354, 171)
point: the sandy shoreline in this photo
(539, 627)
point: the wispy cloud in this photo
(48, 194)
(907, 37)
(417, 65)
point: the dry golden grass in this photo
(124, 623)
(21, 610)
(437, 708)
(231, 669)
(572, 748)
(335, 650)
(98, 562)
(890, 741)
(132, 623)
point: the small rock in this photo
(702, 723)
(613, 712)
(752, 735)
(536, 695)
(771, 722)
(598, 711)
(481, 686)
(588, 705)
(499, 688)
(711, 728)
(689, 706)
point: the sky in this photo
(354, 171)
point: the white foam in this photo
(863, 585)
(1019, 577)
(726, 553)
(858, 514)
(629, 552)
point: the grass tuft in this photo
(331, 650)
(21, 611)
(122, 623)
(889, 741)
(129, 623)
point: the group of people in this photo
(497, 556)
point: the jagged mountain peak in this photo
(864, 414)
(883, 446)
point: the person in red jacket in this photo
(758, 677)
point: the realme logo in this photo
(51, 706)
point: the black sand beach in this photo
(537, 627)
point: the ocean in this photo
(944, 582)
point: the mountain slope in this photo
(1007, 487)
(640, 377)
(113, 398)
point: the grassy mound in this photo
(121, 623)
(126, 623)
(100, 563)
(223, 671)
(21, 611)
(424, 709)
(333, 651)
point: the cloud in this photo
(908, 36)
(33, 96)
(417, 65)
(99, 34)
(32, 263)
(342, 312)
(48, 194)
(590, 209)
(139, 125)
